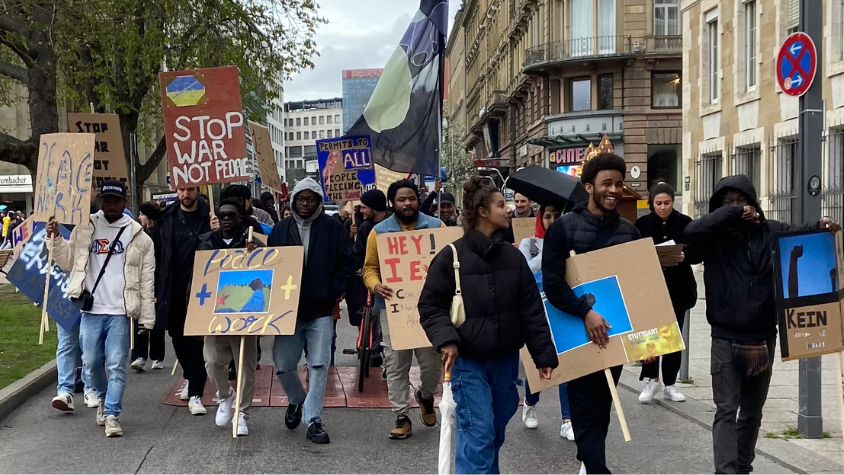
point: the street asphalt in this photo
(167, 439)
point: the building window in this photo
(313, 121)
(605, 91)
(328, 119)
(336, 132)
(310, 151)
(298, 122)
(606, 27)
(841, 29)
(322, 120)
(665, 90)
(322, 134)
(330, 134)
(782, 195)
(307, 134)
(580, 20)
(295, 152)
(708, 170)
(666, 17)
(713, 58)
(665, 161)
(580, 95)
(306, 121)
(336, 119)
(748, 162)
(832, 196)
(792, 16)
(750, 43)
(298, 135)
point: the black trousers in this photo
(188, 351)
(590, 401)
(149, 345)
(739, 400)
(670, 362)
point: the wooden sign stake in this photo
(44, 322)
(131, 333)
(175, 365)
(239, 386)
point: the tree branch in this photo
(146, 170)
(15, 72)
(20, 50)
(17, 151)
(14, 25)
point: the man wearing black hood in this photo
(733, 242)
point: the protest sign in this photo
(523, 228)
(807, 275)
(235, 292)
(625, 285)
(109, 155)
(339, 163)
(204, 126)
(21, 234)
(29, 273)
(65, 177)
(404, 259)
(263, 147)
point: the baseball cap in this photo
(113, 188)
(447, 198)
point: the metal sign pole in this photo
(135, 189)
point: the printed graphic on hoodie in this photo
(101, 246)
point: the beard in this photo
(599, 203)
(407, 219)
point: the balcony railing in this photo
(664, 44)
(579, 48)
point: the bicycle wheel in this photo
(364, 352)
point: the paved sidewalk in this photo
(813, 456)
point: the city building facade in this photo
(358, 85)
(304, 123)
(737, 119)
(275, 125)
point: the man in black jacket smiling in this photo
(588, 227)
(733, 242)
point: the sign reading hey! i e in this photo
(204, 126)
(65, 177)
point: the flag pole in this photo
(441, 81)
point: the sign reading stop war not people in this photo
(404, 259)
(204, 126)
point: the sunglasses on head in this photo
(227, 216)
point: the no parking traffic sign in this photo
(796, 64)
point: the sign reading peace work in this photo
(797, 63)
(235, 292)
(65, 174)
(204, 126)
(404, 258)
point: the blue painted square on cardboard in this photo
(569, 332)
(28, 274)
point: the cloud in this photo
(359, 34)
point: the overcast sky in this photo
(359, 34)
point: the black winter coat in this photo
(330, 266)
(738, 268)
(503, 308)
(680, 279)
(214, 240)
(579, 231)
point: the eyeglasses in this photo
(307, 200)
(227, 216)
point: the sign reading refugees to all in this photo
(65, 177)
(807, 272)
(340, 160)
(263, 147)
(625, 285)
(235, 292)
(109, 156)
(204, 126)
(28, 274)
(523, 228)
(404, 258)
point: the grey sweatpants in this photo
(218, 352)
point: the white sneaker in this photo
(529, 416)
(566, 431)
(63, 402)
(112, 427)
(157, 364)
(138, 365)
(673, 393)
(648, 393)
(225, 410)
(241, 424)
(183, 393)
(196, 407)
(91, 399)
(101, 419)
(582, 469)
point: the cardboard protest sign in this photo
(29, 272)
(523, 228)
(339, 162)
(109, 155)
(235, 292)
(263, 147)
(65, 177)
(21, 234)
(204, 126)
(807, 274)
(624, 284)
(404, 259)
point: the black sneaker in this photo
(316, 433)
(294, 416)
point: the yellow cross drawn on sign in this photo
(288, 287)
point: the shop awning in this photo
(553, 142)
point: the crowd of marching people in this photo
(122, 269)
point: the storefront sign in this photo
(16, 184)
(569, 155)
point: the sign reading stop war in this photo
(109, 157)
(404, 259)
(204, 126)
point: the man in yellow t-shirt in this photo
(6, 222)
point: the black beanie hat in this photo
(657, 189)
(374, 199)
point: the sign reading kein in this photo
(204, 126)
(235, 292)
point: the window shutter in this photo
(792, 13)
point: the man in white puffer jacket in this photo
(125, 289)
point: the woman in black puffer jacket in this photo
(503, 313)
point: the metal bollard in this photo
(684, 362)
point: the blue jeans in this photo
(533, 399)
(287, 350)
(487, 398)
(105, 338)
(67, 355)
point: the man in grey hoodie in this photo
(329, 266)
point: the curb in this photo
(14, 395)
(702, 415)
